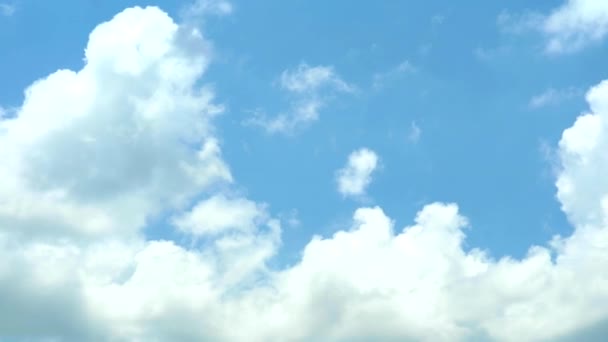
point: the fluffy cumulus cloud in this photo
(354, 178)
(92, 154)
(88, 159)
(219, 214)
(310, 88)
(100, 149)
(582, 188)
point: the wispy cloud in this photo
(515, 23)
(306, 79)
(310, 88)
(380, 79)
(552, 97)
(568, 28)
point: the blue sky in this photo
(455, 103)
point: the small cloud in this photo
(310, 87)
(220, 214)
(300, 115)
(414, 133)
(552, 97)
(306, 79)
(354, 178)
(7, 10)
(380, 79)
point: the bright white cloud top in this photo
(93, 154)
(354, 178)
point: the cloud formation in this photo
(552, 96)
(219, 214)
(101, 149)
(91, 154)
(574, 25)
(198, 11)
(310, 88)
(354, 178)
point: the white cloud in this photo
(7, 9)
(574, 25)
(310, 87)
(219, 214)
(307, 79)
(367, 282)
(552, 96)
(102, 149)
(582, 187)
(354, 178)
